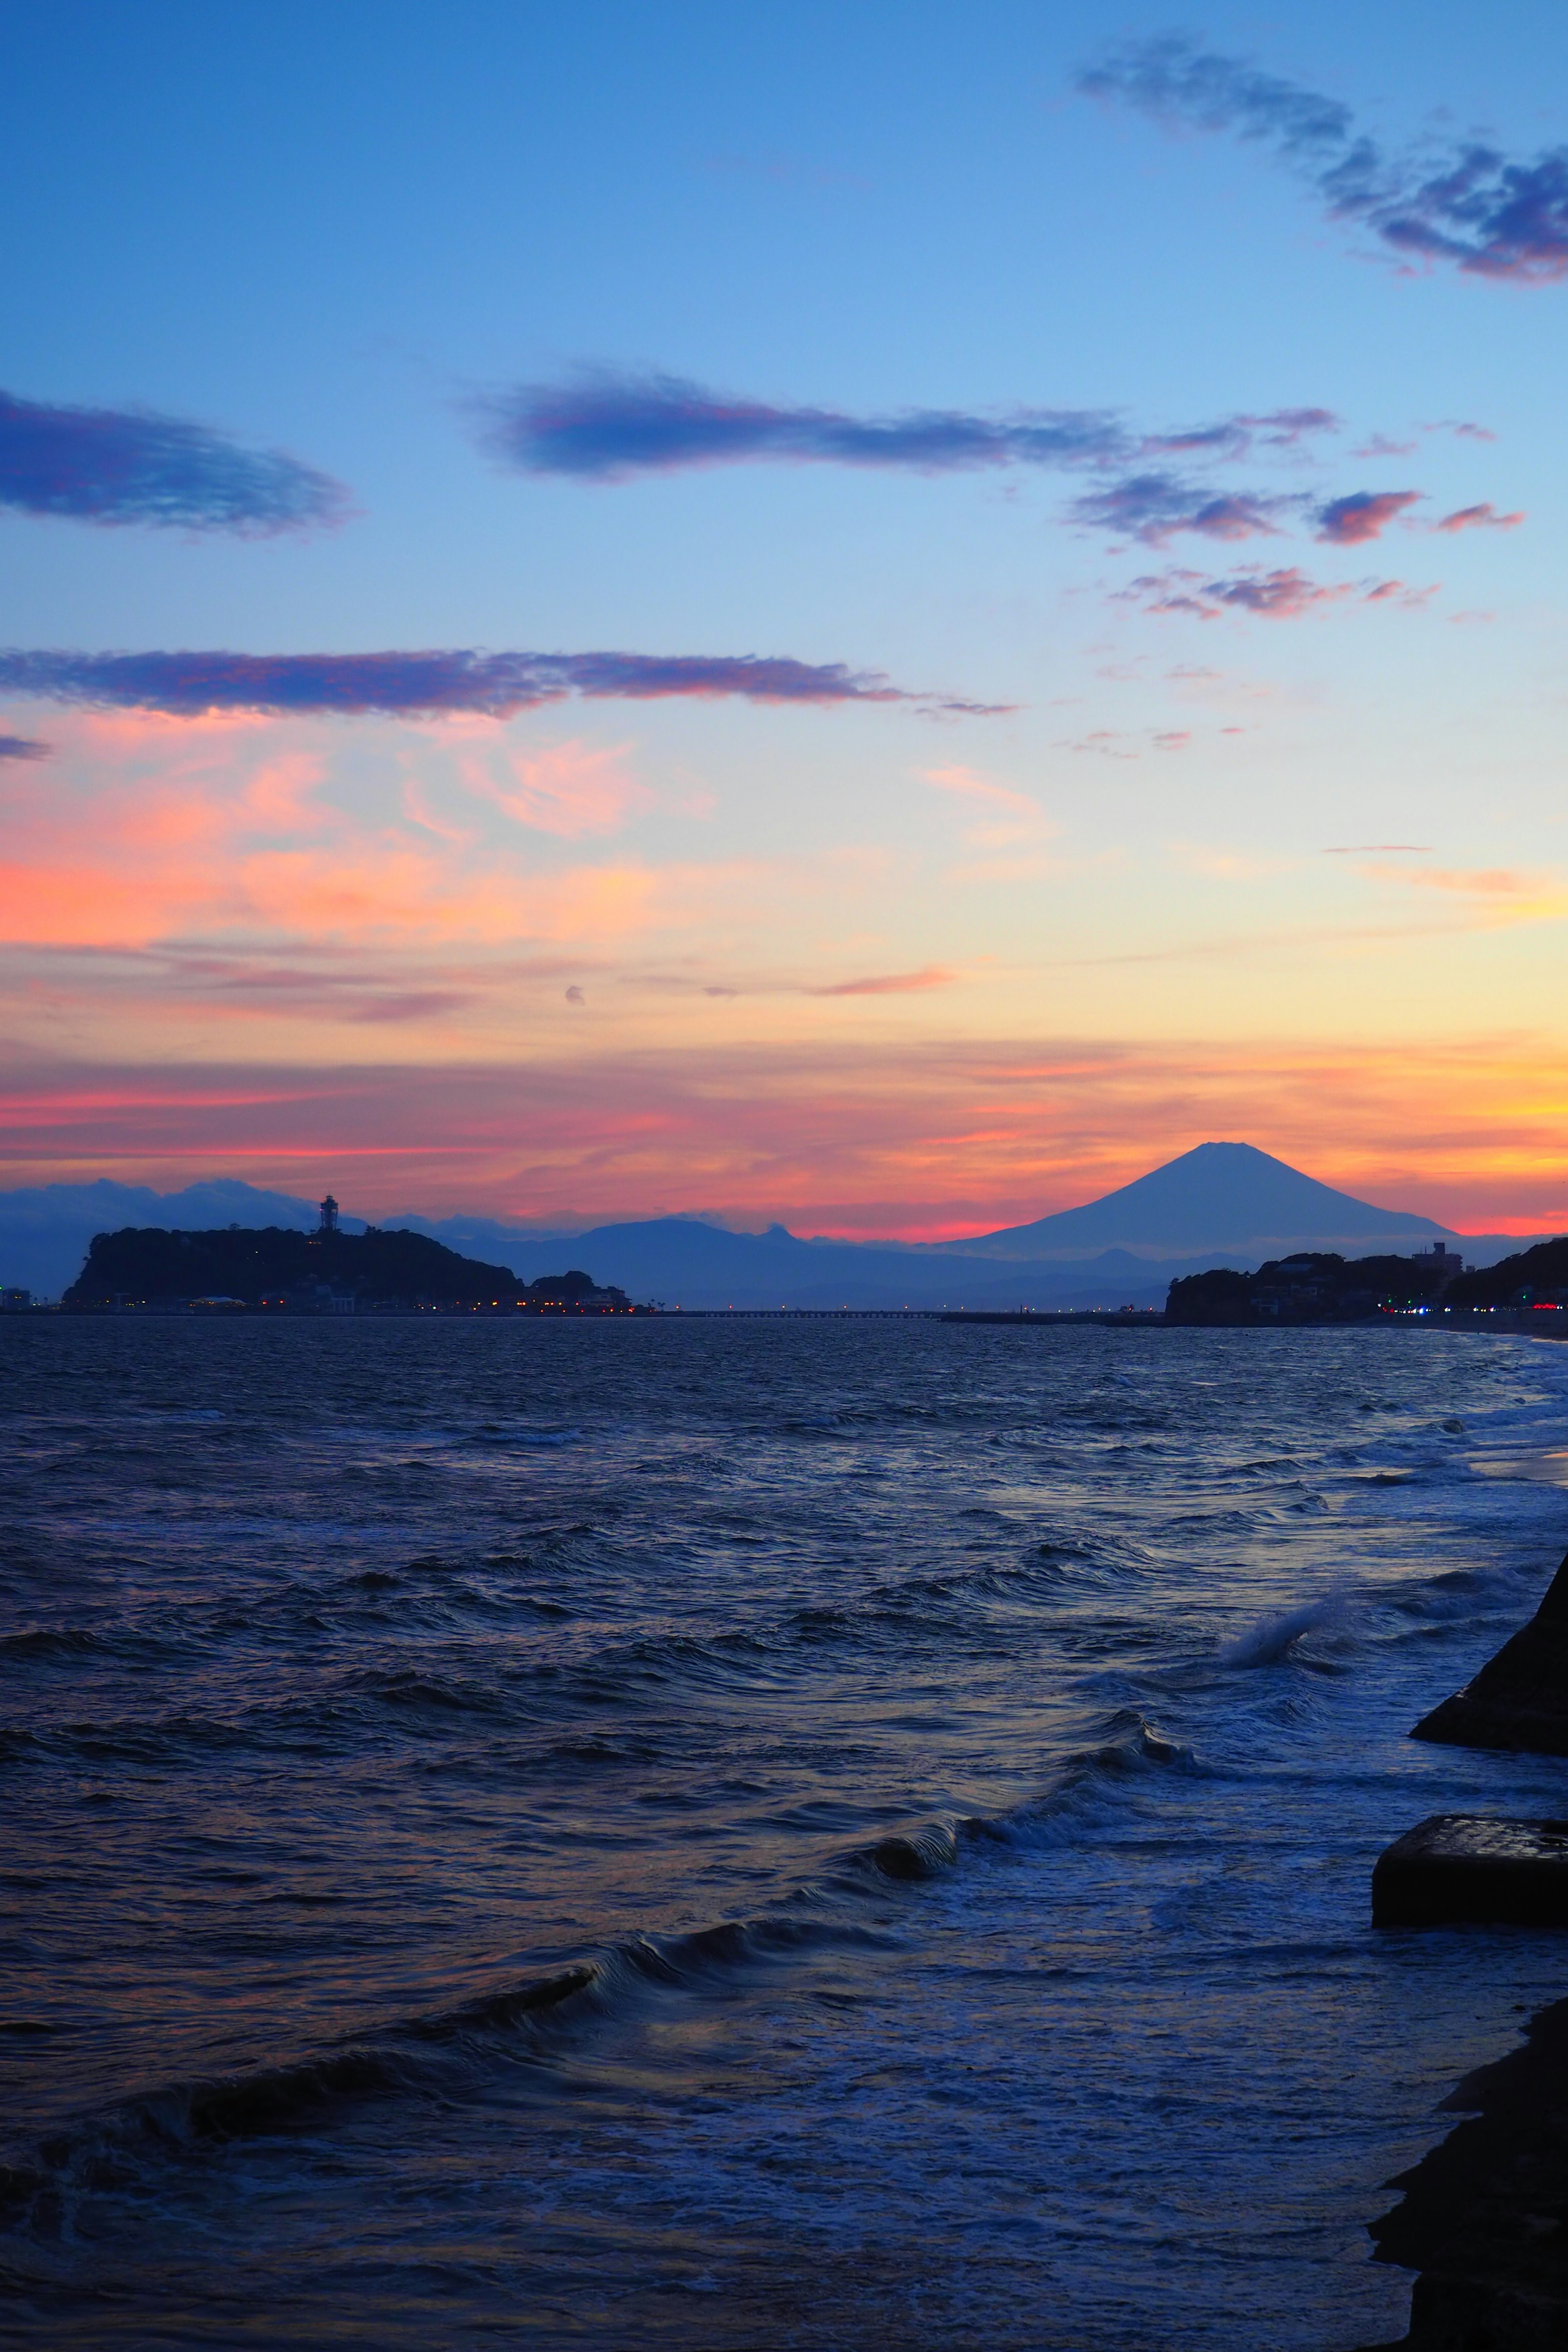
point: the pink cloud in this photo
(568, 789)
(966, 783)
(1283, 595)
(1364, 515)
(1484, 517)
(889, 983)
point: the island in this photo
(276, 1271)
(1526, 1292)
(1315, 1286)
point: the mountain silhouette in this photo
(1217, 1196)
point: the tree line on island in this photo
(1320, 1286)
(328, 1272)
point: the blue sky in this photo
(337, 232)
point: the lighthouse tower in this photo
(329, 1209)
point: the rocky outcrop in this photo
(1485, 2216)
(1519, 1699)
(1474, 1868)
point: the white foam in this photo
(1265, 1643)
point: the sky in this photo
(873, 616)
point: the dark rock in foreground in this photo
(1484, 2217)
(1519, 1699)
(1467, 1866)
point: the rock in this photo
(1485, 2216)
(1519, 1699)
(1474, 1866)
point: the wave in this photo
(1265, 1643)
(445, 2053)
(1129, 1745)
(47, 1641)
(450, 2053)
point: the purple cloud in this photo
(605, 426)
(1469, 205)
(1365, 514)
(131, 465)
(1152, 507)
(1283, 595)
(416, 685)
(1234, 436)
(23, 747)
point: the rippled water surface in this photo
(740, 1833)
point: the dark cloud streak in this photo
(422, 685)
(23, 747)
(610, 426)
(131, 465)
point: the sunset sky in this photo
(874, 615)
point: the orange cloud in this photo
(1501, 893)
(923, 1137)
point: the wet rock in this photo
(1485, 2216)
(1520, 1698)
(1456, 1867)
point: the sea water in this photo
(737, 1832)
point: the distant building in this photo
(1439, 1259)
(11, 1302)
(329, 1207)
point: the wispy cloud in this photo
(610, 426)
(1483, 882)
(424, 684)
(1484, 517)
(1363, 515)
(879, 983)
(568, 789)
(1466, 203)
(1284, 594)
(132, 466)
(889, 983)
(967, 784)
(1117, 743)
(23, 747)
(1154, 506)
(1501, 896)
(1001, 816)
(606, 425)
(1236, 437)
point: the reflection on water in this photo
(740, 1833)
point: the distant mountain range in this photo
(1221, 1203)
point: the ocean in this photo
(731, 1833)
